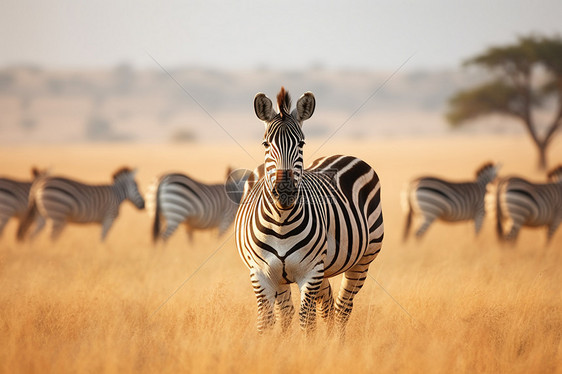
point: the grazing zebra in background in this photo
(522, 203)
(177, 198)
(14, 199)
(305, 226)
(62, 200)
(434, 198)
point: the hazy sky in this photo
(247, 34)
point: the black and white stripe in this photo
(176, 198)
(14, 195)
(62, 200)
(437, 199)
(305, 226)
(522, 203)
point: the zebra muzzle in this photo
(284, 189)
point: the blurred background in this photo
(187, 71)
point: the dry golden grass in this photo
(449, 303)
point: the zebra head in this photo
(487, 172)
(283, 142)
(124, 180)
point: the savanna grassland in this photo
(448, 303)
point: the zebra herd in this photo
(292, 224)
(174, 199)
(515, 202)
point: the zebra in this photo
(14, 199)
(522, 203)
(305, 226)
(177, 198)
(62, 200)
(434, 198)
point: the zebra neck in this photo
(482, 183)
(120, 191)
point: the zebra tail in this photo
(27, 221)
(499, 227)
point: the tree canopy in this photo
(516, 88)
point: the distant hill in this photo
(194, 104)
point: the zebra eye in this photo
(301, 143)
(265, 143)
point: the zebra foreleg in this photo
(106, 225)
(284, 308)
(309, 287)
(478, 221)
(265, 295)
(325, 301)
(325, 304)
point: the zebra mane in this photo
(121, 171)
(555, 174)
(487, 166)
(284, 102)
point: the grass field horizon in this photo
(451, 302)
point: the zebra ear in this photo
(305, 106)
(263, 107)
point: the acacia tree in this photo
(526, 75)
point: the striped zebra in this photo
(62, 200)
(305, 226)
(522, 203)
(14, 199)
(434, 198)
(175, 198)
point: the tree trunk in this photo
(541, 145)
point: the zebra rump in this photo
(14, 198)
